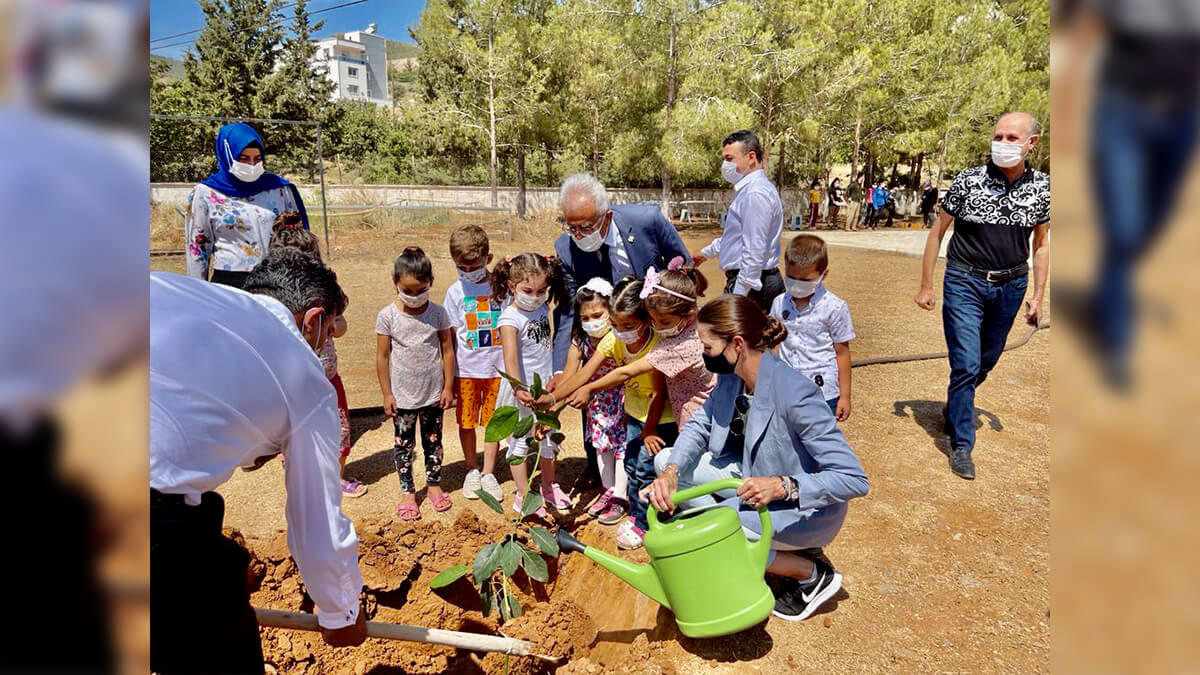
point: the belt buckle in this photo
(994, 276)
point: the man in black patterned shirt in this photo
(996, 209)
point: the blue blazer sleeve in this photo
(839, 476)
(564, 314)
(670, 244)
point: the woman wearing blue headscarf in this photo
(230, 213)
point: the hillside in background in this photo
(174, 66)
(401, 50)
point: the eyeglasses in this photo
(741, 405)
(580, 231)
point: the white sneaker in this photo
(471, 484)
(628, 537)
(492, 486)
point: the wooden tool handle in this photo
(277, 618)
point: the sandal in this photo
(408, 511)
(353, 488)
(441, 502)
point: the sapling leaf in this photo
(548, 419)
(490, 501)
(501, 426)
(510, 558)
(504, 609)
(535, 565)
(514, 606)
(517, 385)
(533, 445)
(544, 540)
(557, 437)
(530, 503)
(485, 599)
(515, 460)
(448, 576)
(559, 409)
(536, 390)
(486, 562)
(523, 426)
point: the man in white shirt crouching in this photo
(235, 380)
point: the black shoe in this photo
(796, 601)
(961, 464)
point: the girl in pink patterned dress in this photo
(604, 426)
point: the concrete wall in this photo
(536, 199)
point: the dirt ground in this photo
(940, 574)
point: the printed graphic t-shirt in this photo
(475, 318)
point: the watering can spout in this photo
(641, 577)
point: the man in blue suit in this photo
(610, 242)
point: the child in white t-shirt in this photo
(818, 323)
(529, 281)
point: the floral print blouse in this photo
(231, 233)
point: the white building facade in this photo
(356, 62)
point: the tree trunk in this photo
(666, 170)
(596, 142)
(895, 166)
(916, 181)
(493, 167)
(521, 180)
(779, 166)
(857, 144)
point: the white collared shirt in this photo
(618, 257)
(812, 331)
(753, 227)
(232, 379)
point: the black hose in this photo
(876, 360)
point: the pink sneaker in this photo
(555, 497)
(600, 503)
(616, 511)
(540, 513)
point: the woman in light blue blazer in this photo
(770, 425)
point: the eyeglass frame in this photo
(573, 231)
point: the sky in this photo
(168, 17)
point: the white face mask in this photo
(247, 173)
(592, 242)
(628, 336)
(800, 288)
(596, 328)
(529, 302)
(1006, 155)
(672, 331)
(474, 276)
(413, 301)
(730, 173)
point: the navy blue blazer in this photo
(650, 240)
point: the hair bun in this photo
(774, 332)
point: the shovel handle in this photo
(277, 618)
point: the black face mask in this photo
(718, 364)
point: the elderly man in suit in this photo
(606, 241)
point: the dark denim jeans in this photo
(1139, 157)
(639, 464)
(977, 315)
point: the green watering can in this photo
(701, 566)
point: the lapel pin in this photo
(629, 239)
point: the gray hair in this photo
(585, 182)
(1035, 127)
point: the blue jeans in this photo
(639, 465)
(1139, 156)
(976, 315)
(833, 404)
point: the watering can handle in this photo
(761, 547)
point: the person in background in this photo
(818, 323)
(996, 209)
(835, 201)
(414, 361)
(814, 204)
(929, 204)
(229, 217)
(854, 195)
(748, 248)
(474, 313)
